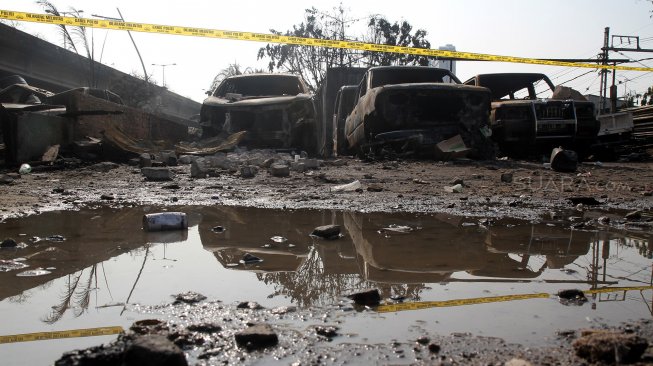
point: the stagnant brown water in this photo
(107, 266)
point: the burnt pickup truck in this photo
(276, 110)
(411, 109)
(522, 122)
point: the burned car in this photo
(345, 99)
(414, 109)
(523, 122)
(276, 110)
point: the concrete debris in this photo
(257, 337)
(157, 174)
(248, 171)
(349, 187)
(506, 177)
(564, 160)
(327, 331)
(252, 305)
(517, 362)
(153, 349)
(145, 160)
(189, 297)
(366, 298)
(165, 221)
(280, 170)
(329, 232)
(634, 216)
(458, 188)
(572, 297)
(608, 347)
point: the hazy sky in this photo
(525, 28)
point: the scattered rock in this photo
(8, 243)
(257, 337)
(149, 326)
(338, 162)
(374, 188)
(280, 170)
(327, 331)
(218, 229)
(248, 171)
(204, 328)
(423, 340)
(587, 201)
(458, 188)
(107, 197)
(572, 297)
(189, 297)
(145, 160)
(564, 160)
(172, 186)
(610, 347)
(250, 259)
(5, 179)
(634, 216)
(283, 310)
(517, 362)
(310, 164)
(153, 349)
(603, 220)
(457, 180)
(198, 169)
(434, 348)
(249, 305)
(507, 177)
(329, 232)
(104, 167)
(186, 159)
(298, 167)
(157, 174)
(366, 298)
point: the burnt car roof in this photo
(502, 84)
(261, 85)
(410, 74)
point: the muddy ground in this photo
(503, 188)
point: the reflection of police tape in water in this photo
(570, 184)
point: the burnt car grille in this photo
(269, 120)
(554, 110)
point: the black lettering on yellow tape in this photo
(74, 333)
(300, 41)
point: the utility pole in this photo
(604, 72)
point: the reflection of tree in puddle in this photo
(310, 284)
(77, 295)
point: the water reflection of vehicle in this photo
(249, 230)
(432, 255)
(561, 246)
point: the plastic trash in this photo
(349, 187)
(165, 221)
(458, 188)
(25, 169)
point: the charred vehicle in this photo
(411, 109)
(522, 122)
(276, 110)
(345, 99)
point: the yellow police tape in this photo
(74, 333)
(485, 300)
(301, 41)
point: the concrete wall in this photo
(45, 65)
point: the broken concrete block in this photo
(610, 347)
(310, 163)
(169, 158)
(248, 171)
(257, 337)
(145, 160)
(157, 174)
(198, 168)
(187, 159)
(154, 349)
(298, 167)
(366, 298)
(328, 232)
(5, 179)
(563, 160)
(280, 170)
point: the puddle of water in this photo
(107, 261)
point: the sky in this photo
(524, 28)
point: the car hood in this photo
(255, 101)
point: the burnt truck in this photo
(345, 100)
(523, 123)
(276, 111)
(412, 109)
